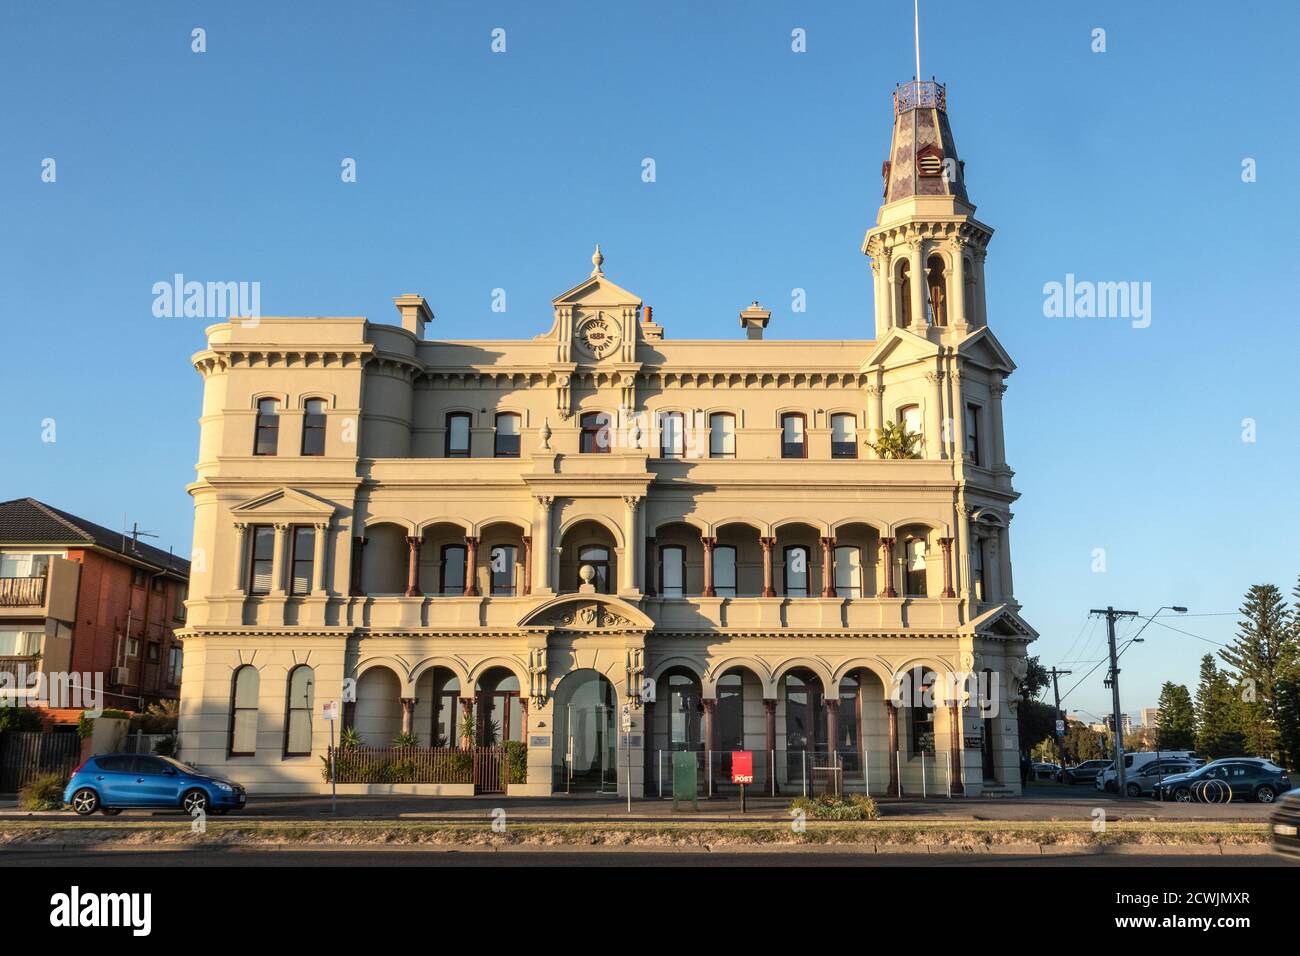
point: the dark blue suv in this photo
(116, 782)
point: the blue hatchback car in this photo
(112, 783)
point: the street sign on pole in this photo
(330, 711)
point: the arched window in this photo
(722, 435)
(909, 416)
(937, 282)
(672, 571)
(844, 435)
(724, 570)
(452, 578)
(313, 427)
(795, 571)
(729, 713)
(267, 438)
(446, 709)
(672, 435)
(458, 429)
(595, 437)
(904, 312)
(507, 435)
(503, 570)
(244, 687)
(794, 438)
(298, 708)
(922, 708)
(915, 576)
(848, 571)
(598, 557)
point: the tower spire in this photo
(916, 34)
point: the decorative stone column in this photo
(980, 306)
(467, 735)
(996, 391)
(471, 566)
(354, 582)
(917, 283)
(322, 529)
(708, 544)
(769, 726)
(543, 535)
(954, 745)
(412, 566)
(875, 414)
(528, 565)
(957, 284)
(887, 290)
(277, 559)
(241, 551)
(832, 705)
(767, 543)
(893, 749)
(710, 704)
(887, 566)
(946, 545)
(935, 439)
(523, 718)
(408, 714)
(828, 567)
(627, 570)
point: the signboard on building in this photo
(742, 766)
(330, 710)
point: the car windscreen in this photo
(186, 768)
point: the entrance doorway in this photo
(586, 742)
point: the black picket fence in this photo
(25, 754)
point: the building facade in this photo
(742, 545)
(77, 598)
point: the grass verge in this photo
(956, 835)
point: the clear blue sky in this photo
(478, 171)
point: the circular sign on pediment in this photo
(598, 336)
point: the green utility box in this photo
(686, 774)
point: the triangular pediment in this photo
(1003, 622)
(983, 349)
(595, 292)
(900, 347)
(284, 503)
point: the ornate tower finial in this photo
(597, 260)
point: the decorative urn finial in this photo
(597, 260)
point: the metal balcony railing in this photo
(22, 592)
(920, 94)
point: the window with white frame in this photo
(722, 435)
(724, 570)
(19, 643)
(916, 573)
(672, 571)
(672, 435)
(909, 416)
(844, 436)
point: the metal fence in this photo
(25, 754)
(141, 743)
(810, 773)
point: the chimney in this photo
(755, 319)
(415, 312)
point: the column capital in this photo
(767, 542)
(545, 501)
(708, 542)
(241, 528)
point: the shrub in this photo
(165, 747)
(13, 717)
(857, 806)
(43, 792)
(406, 739)
(349, 739)
(516, 761)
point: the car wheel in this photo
(194, 800)
(1183, 795)
(1265, 794)
(110, 811)
(85, 801)
(1133, 790)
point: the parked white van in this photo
(1108, 779)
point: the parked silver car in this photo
(1144, 781)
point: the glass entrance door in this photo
(587, 758)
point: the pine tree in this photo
(1216, 734)
(1261, 646)
(1177, 722)
(1288, 688)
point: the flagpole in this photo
(916, 33)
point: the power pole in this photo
(1060, 716)
(1118, 725)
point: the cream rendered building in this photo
(697, 531)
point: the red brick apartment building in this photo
(77, 597)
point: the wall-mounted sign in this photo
(539, 741)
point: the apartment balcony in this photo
(53, 595)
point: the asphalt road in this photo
(408, 856)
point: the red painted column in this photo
(769, 721)
(471, 567)
(887, 561)
(528, 565)
(828, 567)
(893, 749)
(413, 566)
(708, 565)
(768, 544)
(954, 746)
(946, 545)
